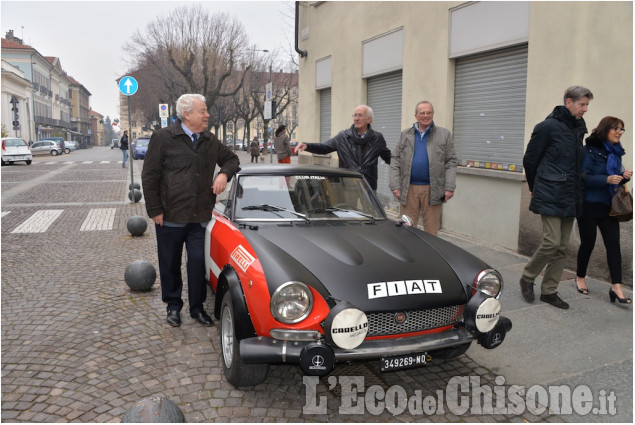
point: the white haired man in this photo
(180, 191)
(358, 147)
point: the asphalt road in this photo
(79, 345)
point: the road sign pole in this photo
(130, 158)
(129, 86)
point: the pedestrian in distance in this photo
(423, 169)
(254, 150)
(180, 192)
(604, 172)
(358, 147)
(282, 145)
(553, 168)
(123, 145)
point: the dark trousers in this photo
(254, 158)
(170, 242)
(610, 229)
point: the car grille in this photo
(380, 324)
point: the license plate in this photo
(403, 361)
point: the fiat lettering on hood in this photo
(308, 270)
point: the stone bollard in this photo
(154, 409)
(140, 275)
(136, 193)
(137, 225)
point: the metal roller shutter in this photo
(325, 114)
(489, 109)
(384, 96)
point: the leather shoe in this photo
(203, 318)
(174, 318)
(527, 289)
(554, 300)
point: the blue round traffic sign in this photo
(128, 85)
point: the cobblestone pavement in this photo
(79, 345)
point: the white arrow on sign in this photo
(128, 84)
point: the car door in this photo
(37, 148)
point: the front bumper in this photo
(270, 350)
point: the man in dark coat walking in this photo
(553, 167)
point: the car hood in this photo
(376, 267)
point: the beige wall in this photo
(589, 44)
(584, 43)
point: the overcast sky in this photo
(88, 36)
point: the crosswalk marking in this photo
(106, 162)
(4, 213)
(39, 222)
(99, 219)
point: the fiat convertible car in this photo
(307, 269)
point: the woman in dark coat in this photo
(603, 170)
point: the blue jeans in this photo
(125, 157)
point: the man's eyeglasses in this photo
(619, 129)
(359, 115)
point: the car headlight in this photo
(291, 302)
(489, 282)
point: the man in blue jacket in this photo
(553, 167)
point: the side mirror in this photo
(405, 220)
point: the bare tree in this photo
(191, 51)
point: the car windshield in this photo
(143, 142)
(304, 198)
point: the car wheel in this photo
(451, 352)
(54, 152)
(238, 374)
(3, 162)
(28, 162)
(67, 150)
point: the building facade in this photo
(80, 117)
(17, 93)
(49, 108)
(492, 70)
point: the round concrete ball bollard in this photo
(135, 186)
(136, 193)
(140, 275)
(137, 225)
(154, 410)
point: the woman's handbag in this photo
(622, 204)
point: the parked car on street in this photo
(15, 149)
(69, 146)
(307, 269)
(293, 144)
(46, 147)
(114, 144)
(58, 140)
(140, 147)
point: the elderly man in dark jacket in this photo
(553, 166)
(358, 147)
(180, 192)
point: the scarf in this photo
(613, 161)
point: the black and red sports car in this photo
(307, 269)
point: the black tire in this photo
(451, 352)
(28, 162)
(67, 151)
(238, 374)
(54, 152)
